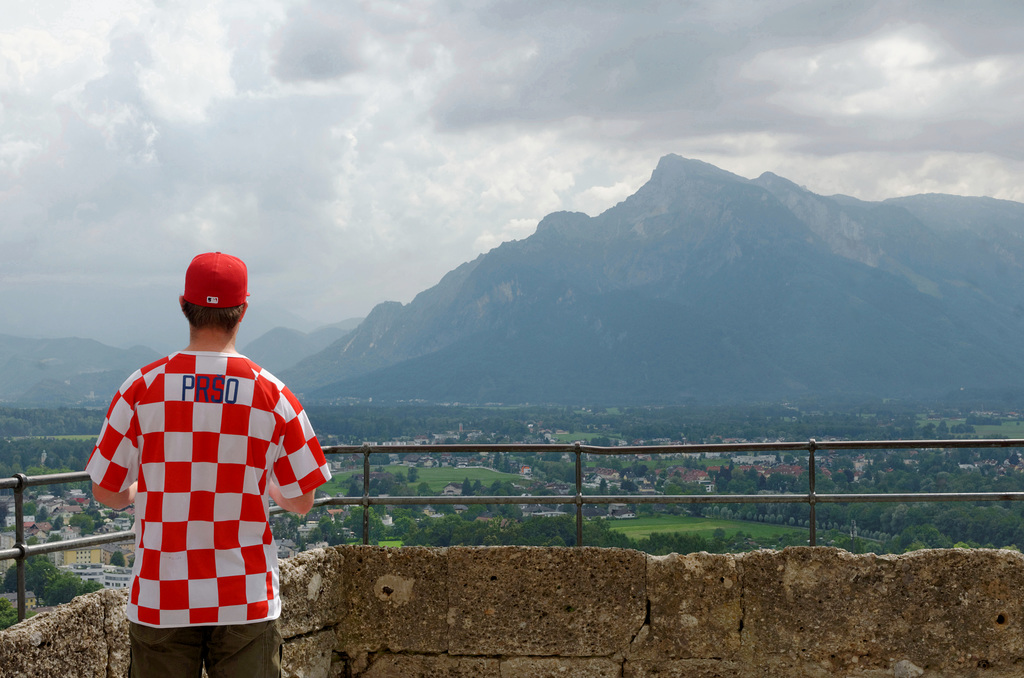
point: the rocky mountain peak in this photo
(705, 285)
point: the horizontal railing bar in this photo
(674, 499)
(48, 479)
(69, 545)
(918, 497)
(918, 444)
(414, 448)
(562, 499)
(563, 448)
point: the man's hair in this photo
(206, 316)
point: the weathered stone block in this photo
(696, 610)
(115, 628)
(312, 591)
(309, 656)
(561, 667)
(424, 666)
(774, 665)
(948, 612)
(69, 641)
(392, 599)
(545, 601)
(691, 668)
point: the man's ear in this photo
(181, 302)
(245, 307)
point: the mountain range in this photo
(705, 286)
(702, 287)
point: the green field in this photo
(1007, 429)
(436, 478)
(641, 528)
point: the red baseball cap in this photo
(216, 280)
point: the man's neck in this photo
(212, 339)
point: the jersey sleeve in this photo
(114, 462)
(301, 466)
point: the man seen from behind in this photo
(199, 440)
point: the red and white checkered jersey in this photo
(203, 433)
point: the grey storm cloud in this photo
(319, 42)
(669, 67)
(565, 59)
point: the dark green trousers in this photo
(249, 650)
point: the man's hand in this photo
(115, 500)
(299, 505)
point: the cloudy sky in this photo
(354, 152)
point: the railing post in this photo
(366, 495)
(19, 540)
(579, 496)
(811, 499)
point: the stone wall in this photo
(502, 612)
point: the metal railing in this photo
(20, 482)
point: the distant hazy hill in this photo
(73, 371)
(64, 371)
(281, 348)
(708, 286)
